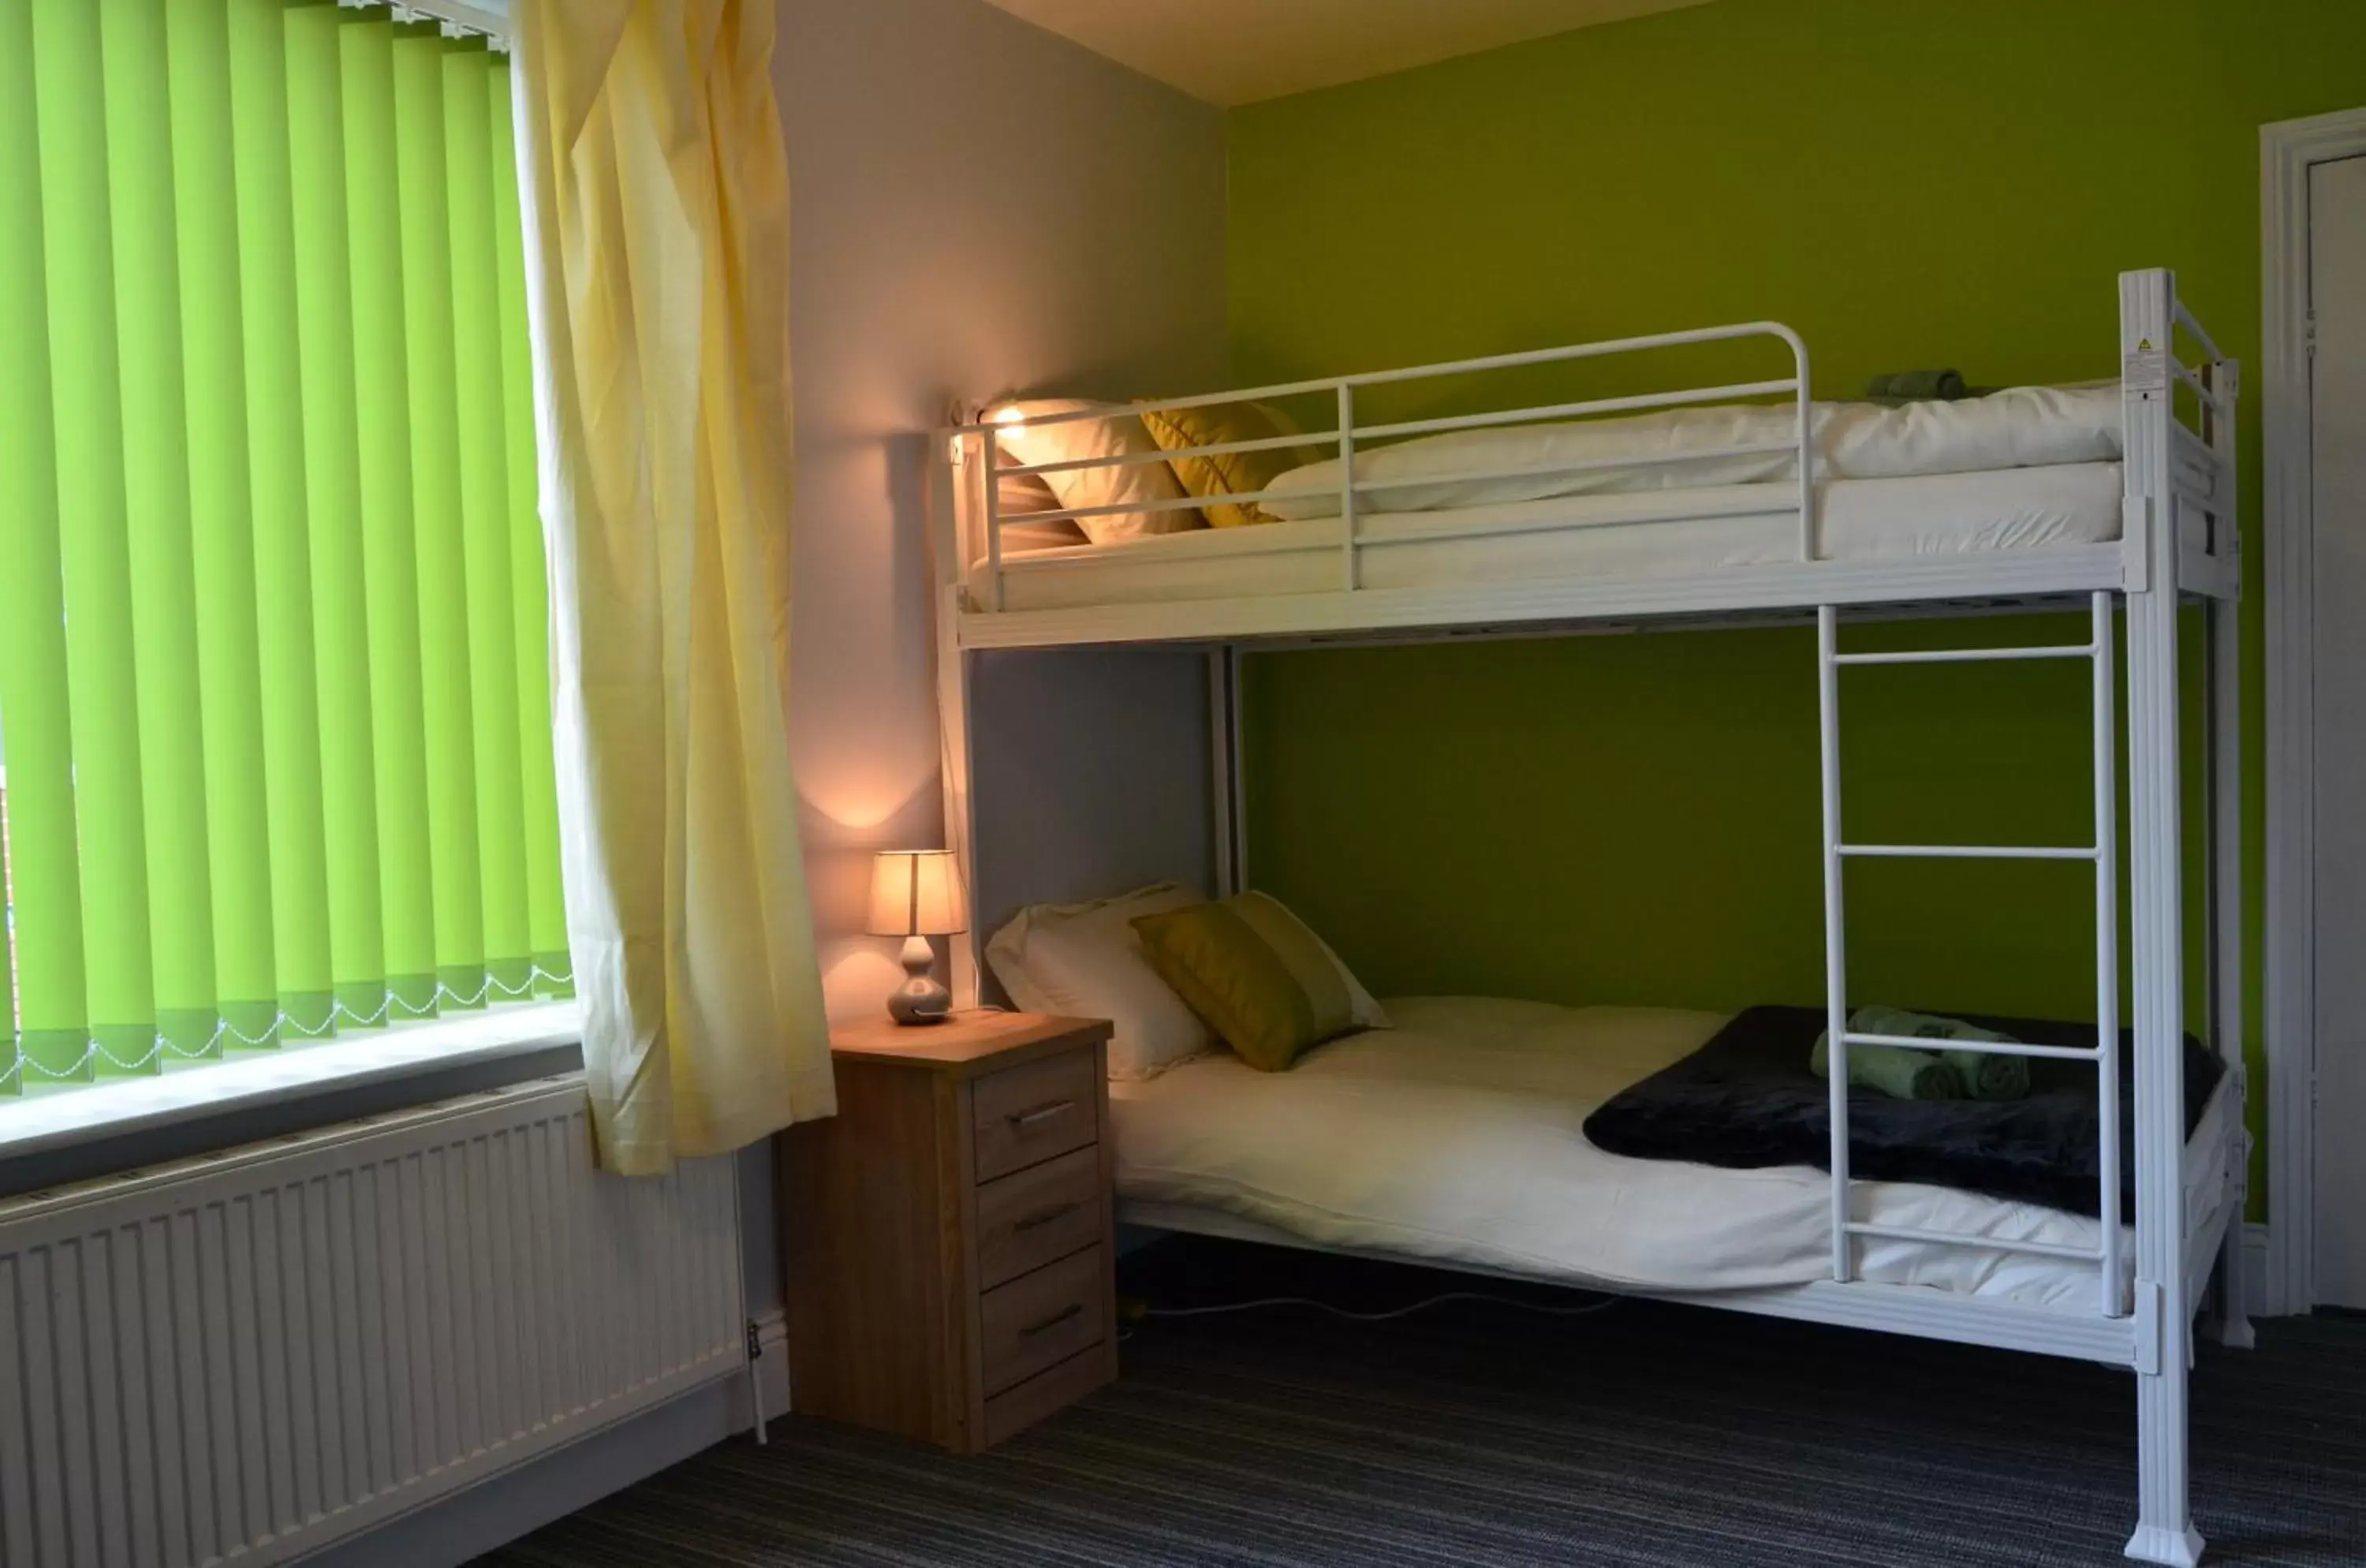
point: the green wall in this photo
(1944, 182)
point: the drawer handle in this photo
(1073, 1309)
(1023, 1119)
(1045, 1216)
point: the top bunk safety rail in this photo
(1346, 436)
(2179, 396)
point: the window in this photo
(274, 706)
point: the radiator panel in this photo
(249, 1355)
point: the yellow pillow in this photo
(1257, 977)
(1233, 473)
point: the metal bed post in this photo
(990, 484)
(2164, 1532)
(2223, 378)
(1835, 936)
(2112, 1289)
(948, 549)
(1226, 807)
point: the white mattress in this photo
(1455, 1138)
(1586, 536)
(2019, 427)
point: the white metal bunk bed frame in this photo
(2178, 537)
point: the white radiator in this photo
(248, 1355)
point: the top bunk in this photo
(1221, 517)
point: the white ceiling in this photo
(1238, 52)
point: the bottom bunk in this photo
(1456, 1138)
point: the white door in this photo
(2337, 206)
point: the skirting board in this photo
(513, 1502)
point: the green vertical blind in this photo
(274, 722)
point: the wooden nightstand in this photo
(946, 1234)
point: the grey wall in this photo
(1091, 774)
(976, 207)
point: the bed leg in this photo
(2163, 1318)
(2232, 1325)
(2233, 1328)
(2164, 1532)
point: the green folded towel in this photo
(1897, 1071)
(1986, 1075)
(1918, 386)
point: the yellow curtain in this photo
(657, 236)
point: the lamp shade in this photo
(915, 893)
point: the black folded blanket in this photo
(1747, 1100)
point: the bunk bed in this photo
(2119, 498)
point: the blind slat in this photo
(389, 539)
(529, 579)
(35, 726)
(77, 235)
(444, 651)
(291, 774)
(156, 499)
(220, 522)
(484, 499)
(324, 314)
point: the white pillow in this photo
(1084, 961)
(1123, 436)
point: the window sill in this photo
(46, 1123)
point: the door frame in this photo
(2287, 150)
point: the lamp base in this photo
(919, 999)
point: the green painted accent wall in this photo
(1950, 182)
(1634, 818)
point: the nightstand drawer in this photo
(1024, 1115)
(1048, 1211)
(1040, 1319)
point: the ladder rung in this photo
(1970, 851)
(1988, 1243)
(1968, 655)
(1989, 1047)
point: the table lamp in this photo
(916, 893)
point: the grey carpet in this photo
(1644, 1435)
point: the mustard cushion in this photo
(1256, 974)
(1235, 473)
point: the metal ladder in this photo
(2104, 851)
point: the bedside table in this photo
(946, 1234)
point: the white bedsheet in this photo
(1592, 537)
(1455, 1137)
(2019, 427)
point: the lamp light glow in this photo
(916, 893)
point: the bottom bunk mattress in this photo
(1651, 534)
(1457, 1137)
